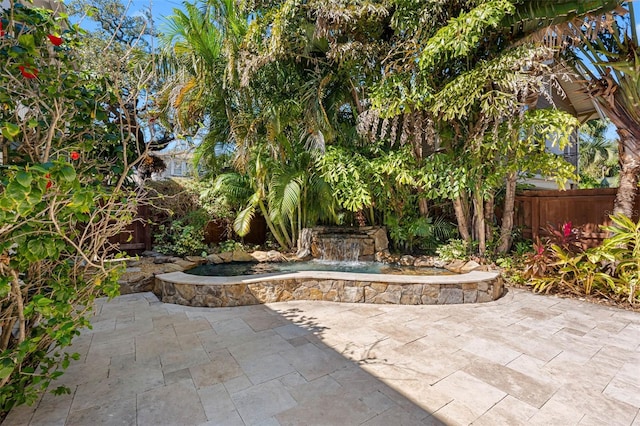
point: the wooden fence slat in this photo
(136, 237)
(585, 208)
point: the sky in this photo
(160, 8)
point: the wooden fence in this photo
(136, 238)
(585, 208)
(219, 230)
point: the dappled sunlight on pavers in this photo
(524, 359)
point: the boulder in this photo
(185, 264)
(380, 240)
(226, 256)
(276, 256)
(241, 256)
(136, 282)
(196, 259)
(133, 276)
(268, 256)
(425, 262)
(470, 266)
(385, 257)
(455, 266)
(214, 258)
(407, 260)
(368, 248)
(260, 256)
(173, 267)
(439, 263)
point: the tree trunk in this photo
(489, 216)
(462, 217)
(272, 228)
(423, 204)
(630, 168)
(478, 222)
(507, 215)
(285, 234)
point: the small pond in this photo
(253, 268)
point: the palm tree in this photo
(612, 68)
(607, 60)
(200, 46)
(598, 156)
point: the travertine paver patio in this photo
(525, 359)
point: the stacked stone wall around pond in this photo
(487, 288)
(344, 243)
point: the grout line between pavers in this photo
(70, 405)
(637, 417)
(557, 355)
(506, 394)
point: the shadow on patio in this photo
(522, 359)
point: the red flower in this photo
(49, 183)
(566, 229)
(28, 71)
(1, 30)
(75, 155)
(55, 40)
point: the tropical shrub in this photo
(419, 233)
(578, 273)
(623, 249)
(456, 249)
(183, 235)
(64, 191)
(563, 235)
(181, 239)
(52, 252)
(229, 245)
(612, 270)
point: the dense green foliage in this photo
(560, 264)
(62, 196)
(351, 101)
(179, 215)
(598, 162)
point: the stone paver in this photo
(524, 359)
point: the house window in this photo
(177, 168)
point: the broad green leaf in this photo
(5, 371)
(68, 173)
(10, 130)
(24, 208)
(5, 286)
(37, 249)
(16, 192)
(24, 179)
(27, 42)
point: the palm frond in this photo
(242, 222)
